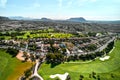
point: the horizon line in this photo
(53, 18)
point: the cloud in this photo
(3, 3)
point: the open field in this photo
(103, 68)
(11, 68)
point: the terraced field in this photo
(107, 70)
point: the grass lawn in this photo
(46, 35)
(11, 68)
(103, 68)
(6, 37)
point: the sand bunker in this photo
(20, 55)
(61, 76)
(104, 58)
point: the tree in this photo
(82, 57)
(63, 50)
(28, 36)
(32, 57)
(81, 77)
(26, 56)
(112, 75)
(94, 75)
(54, 58)
(28, 72)
(98, 77)
(92, 56)
(92, 34)
(33, 78)
(89, 75)
(91, 47)
(12, 51)
(68, 77)
(109, 47)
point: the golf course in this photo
(46, 33)
(10, 67)
(106, 70)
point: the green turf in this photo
(102, 68)
(46, 33)
(9, 67)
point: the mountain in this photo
(19, 18)
(79, 19)
(4, 18)
(45, 19)
(27, 18)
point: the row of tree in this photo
(54, 59)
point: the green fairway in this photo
(103, 68)
(11, 68)
(45, 33)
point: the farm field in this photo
(107, 70)
(11, 68)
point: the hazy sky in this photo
(62, 9)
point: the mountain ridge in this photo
(76, 19)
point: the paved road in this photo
(105, 45)
(97, 50)
(35, 70)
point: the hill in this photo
(80, 19)
(3, 18)
(20, 18)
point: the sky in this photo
(62, 9)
